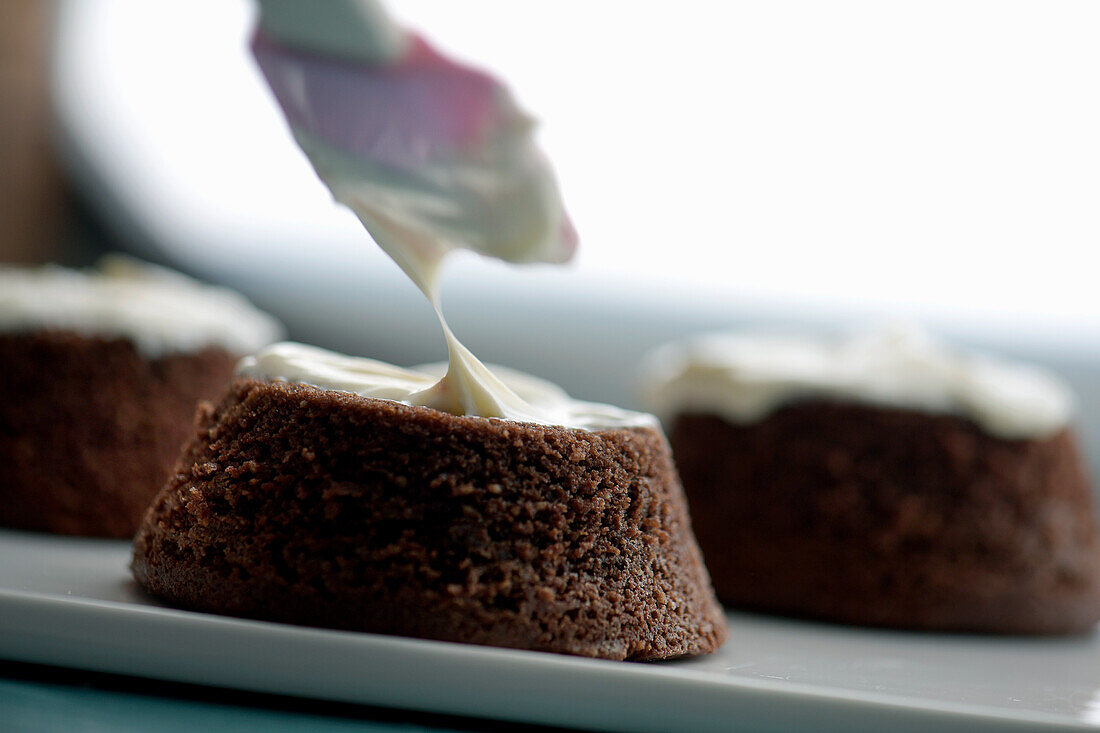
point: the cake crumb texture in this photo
(325, 508)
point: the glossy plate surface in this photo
(71, 602)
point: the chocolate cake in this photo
(848, 500)
(314, 506)
(101, 388)
(889, 517)
(89, 428)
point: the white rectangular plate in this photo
(71, 602)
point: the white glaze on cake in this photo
(540, 401)
(744, 377)
(431, 156)
(160, 311)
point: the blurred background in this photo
(798, 164)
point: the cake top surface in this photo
(743, 377)
(159, 310)
(547, 403)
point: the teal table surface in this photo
(37, 699)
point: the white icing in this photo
(160, 311)
(431, 156)
(399, 224)
(744, 377)
(539, 401)
(500, 200)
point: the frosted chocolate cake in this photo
(328, 507)
(103, 372)
(882, 480)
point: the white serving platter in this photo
(71, 602)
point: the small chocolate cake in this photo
(885, 482)
(890, 517)
(89, 428)
(103, 370)
(320, 507)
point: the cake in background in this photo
(882, 479)
(103, 372)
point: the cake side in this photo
(893, 517)
(90, 428)
(319, 507)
